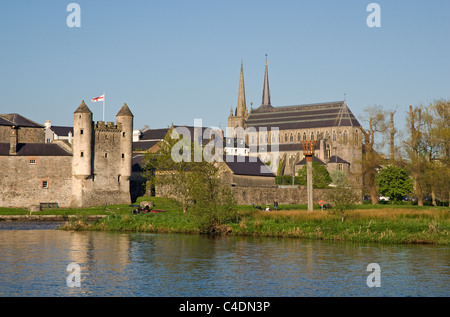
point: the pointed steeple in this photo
(241, 109)
(266, 91)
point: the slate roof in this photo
(61, 130)
(14, 119)
(337, 159)
(137, 163)
(318, 115)
(250, 165)
(144, 145)
(35, 149)
(314, 159)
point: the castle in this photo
(93, 169)
(275, 134)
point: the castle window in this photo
(81, 131)
(123, 155)
(45, 184)
(106, 155)
(32, 162)
(82, 154)
(123, 134)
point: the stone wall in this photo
(22, 181)
(267, 195)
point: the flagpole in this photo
(104, 96)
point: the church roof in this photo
(320, 115)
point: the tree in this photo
(394, 182)
(172, 175)
(321, 176)
(436, 144)
(193, 181)
(213, 201)
(371, 159)
(342, 198)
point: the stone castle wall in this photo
(22, 182)
(267, 195)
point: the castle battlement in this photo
(108, 127)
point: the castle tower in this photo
(124, 119)
(238, 120)
(82, 142)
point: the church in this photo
(275, 133)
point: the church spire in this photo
(241, 110)
(266, 90)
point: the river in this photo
(35, 258)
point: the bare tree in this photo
(372, 160)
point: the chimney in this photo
(13, 141)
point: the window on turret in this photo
(106, 155)
(81, 131)
(123, 155)
(123, 134)
(82, 154)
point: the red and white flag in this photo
(100, 98)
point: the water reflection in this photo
(34, 262)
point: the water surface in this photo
(35, 256)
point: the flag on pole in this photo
(100, 98)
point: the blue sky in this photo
(176, 61)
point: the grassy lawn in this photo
(366, 223)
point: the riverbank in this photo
(42, 218)
(381, 224)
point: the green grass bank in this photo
(393, 224)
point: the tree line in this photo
(416, 163)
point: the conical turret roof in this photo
(125, 111)
(83, 108)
